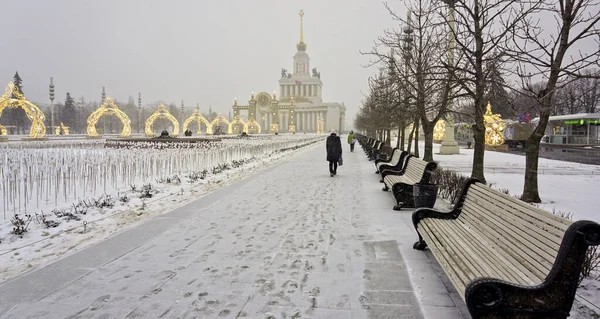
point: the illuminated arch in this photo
(217, 121)
(198, 117)
(13, 99)
(239, 123)
(63, 128)
(108, 108)
(161, 113)
(252, 127)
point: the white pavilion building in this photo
(304, 86)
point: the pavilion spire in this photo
(301, 46)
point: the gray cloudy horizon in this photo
(207, 52)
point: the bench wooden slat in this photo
(394, 161)
(533, 212)
(457, 278)
(519, 220)
(498, 258)
(504, 237)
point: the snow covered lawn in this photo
(60, 185)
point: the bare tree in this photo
(541, 52)
(481, 27)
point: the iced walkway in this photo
(290, 242)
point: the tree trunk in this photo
(417, 137)
(403, 129)
(478, 151)
(410, 138)
(398, 139)
(428, 132)
(530, 189)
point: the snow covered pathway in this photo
(290, 242)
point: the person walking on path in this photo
(334, 152)
(351, 140)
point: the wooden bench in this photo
(416, 171)
(398, 169)
(393, 161)
(375, 151)
(371, 144)
(506, 258)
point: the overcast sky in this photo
(198, 51)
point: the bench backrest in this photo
(416, 170)
(526, 236)
(395, 157)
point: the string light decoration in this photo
(252, 127)
(161, 113)
(234, 126)
(63, 128)
(13, 99)
(217, 121)
(196, 117)
(439, 130)
(493, 127)
(108, 107)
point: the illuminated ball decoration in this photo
(494, 127)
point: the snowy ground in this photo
(290, 242)
(41, 244)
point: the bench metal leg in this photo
(403, 195)
(421, 244)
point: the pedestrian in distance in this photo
(351, 140)
(334, 152)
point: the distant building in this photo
(307, 113)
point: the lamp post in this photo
(51, 103)
(104, 119)
(182, 115)
(449, 145)
(407, 53)
(139, 112)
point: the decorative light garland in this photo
(108, 107)
(13, 99)
(161, 113)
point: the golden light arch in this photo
(13, 99)
(108, 108)
(239, 122)
(198, 117)
(217, 121)
(161, 113)
(252, 127)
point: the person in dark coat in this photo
(334, 152)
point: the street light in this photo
(449, 145)
(139, 112)
(52, 103)
(407, 53)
